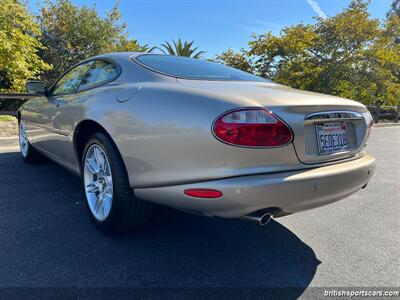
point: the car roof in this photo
(117, 55)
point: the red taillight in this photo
(252, 128)
(203, 193)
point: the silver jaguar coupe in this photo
(194, 135)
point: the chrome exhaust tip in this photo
(260, 217)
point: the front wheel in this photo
(29, 154)
(110, 200)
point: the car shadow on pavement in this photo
(46, 231)
(223, 252)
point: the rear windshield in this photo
(191, 68)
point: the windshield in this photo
(191, 68)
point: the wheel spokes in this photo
(108, 190)
(98, 204)
(99, 157)
(108, 180)
(92, 166)
(92, 188)
(107, 203)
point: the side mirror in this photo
(36, 87)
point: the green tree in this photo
(392, 38)
(326, 56)
(72, 33)
(180, 49)
(378, 75)
(350, 55)
(265, 50)
(237, 60)
(395, 8)
(19, 44)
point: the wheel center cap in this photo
(102, 181)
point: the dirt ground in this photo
(8, 126)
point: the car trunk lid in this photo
(305, 112)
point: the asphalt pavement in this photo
(47, 240)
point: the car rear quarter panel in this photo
(164, 134)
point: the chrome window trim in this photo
(332, 116)
(135, 59)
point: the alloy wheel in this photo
(98, 182)
(23, 140)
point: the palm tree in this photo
(145, 48)
(126, 45)
(181, 49)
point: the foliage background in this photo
(350, 54)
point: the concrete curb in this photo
(9, 141)
(378, 125)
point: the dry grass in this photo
(8, 126)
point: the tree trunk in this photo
(377, 111)
(396, 119)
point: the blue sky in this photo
(216, 25)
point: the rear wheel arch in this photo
(83, 132)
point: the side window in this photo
(99, 72)
(70, 82)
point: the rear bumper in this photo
(288, 191)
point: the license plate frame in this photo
(335, 134)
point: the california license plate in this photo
(332, 138)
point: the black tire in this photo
(30, 155)
(127, 212)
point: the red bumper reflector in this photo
(203, 193)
